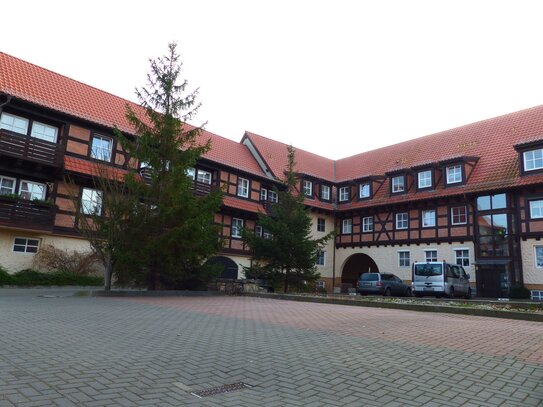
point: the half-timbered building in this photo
(471, 195)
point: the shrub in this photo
(74, 262)
(30, 277)
(518, 291)
(5, 277)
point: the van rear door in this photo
(428, 277)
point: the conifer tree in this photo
(288, 254)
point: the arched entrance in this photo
(354, 266)
(229, 268)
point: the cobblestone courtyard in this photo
(84, 351)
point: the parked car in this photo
(438, 278)
(386, 284)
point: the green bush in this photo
(518, 291)
(5, 277)
(30, 277)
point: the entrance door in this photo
(491, 281)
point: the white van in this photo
(438, 278)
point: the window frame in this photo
(466, 214)
(367, 227)
(361, 189)
(462, 258)
(526, 170)
(3, 177)
(540, 202)
(26, 245)
(347, 224)
(17, 117)
(273, 196)
(241, 188)
(398, 220)
(100, 137)
(431, 178)
(447, 172)
(203, 180)
(394, 186)
(34, 122)
(321, 225)
(84, 209)
(328, 190)
(321, 258)
(29, 130)
(423, 218)
(426, 252)
(344, 194)
(234, 226)
(536, 264)
(400, 259)
(44, 195)
(307, 188)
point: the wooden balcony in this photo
(21, 213)
(201, 188)
(31, 149)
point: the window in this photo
(430, 255)
(398, 184)
(321, 285)
(402, 220)
(462, 257)
(367, 224)
(191, 172)
(536, 209)
(263, 194)
(325, 192)
(237, 227)
(204, 177)
(320, 258)
(243, 187)
(404, 259)
(364, 190)
(533, 160)
(14, 123)
(26, 245)
(425, 179)
(32, 190)
(347, 226)
(454, 174)
(7, 185)
(101, 148)
(459, 215)
(272, 196)
(344, 194)
(428, 218)
(307, 187)
(538, 257)
(321, 225)
(44, 132)
(91, 201)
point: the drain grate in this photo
(227, 388)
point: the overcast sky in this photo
(333, 77)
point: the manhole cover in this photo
(227, 388)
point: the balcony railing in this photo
(26, 214)
(201, 188)
(31, 148)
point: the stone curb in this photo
(523, 316)
(157, 293)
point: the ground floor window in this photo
(538, 257)
(462, 257)
(430, 255)
(404, 259)
(26, 245)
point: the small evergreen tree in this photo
(290, 253)
(172, 231)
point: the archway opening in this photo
(354, 266)
(228, 267)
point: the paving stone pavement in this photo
(62, 350)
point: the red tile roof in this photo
(275, 154)
(244, 204)
(93, 168)
(51, 90)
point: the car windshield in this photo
(428, 270)
(369, 277)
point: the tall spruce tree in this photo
(287, 253)
(172, 231)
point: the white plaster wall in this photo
(532, 274)
(386, 258)
(327, 269)
(241, 261)
(15, 261)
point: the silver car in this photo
(438, 278)
(386, 284)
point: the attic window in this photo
(533, 160)
(454, 174)
(398, 184)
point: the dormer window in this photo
(325, 192)
(424, 179)
(398, 184)
(533, 160)
(344, 193)
(307, 188)
(453, 174)
(364, 190)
